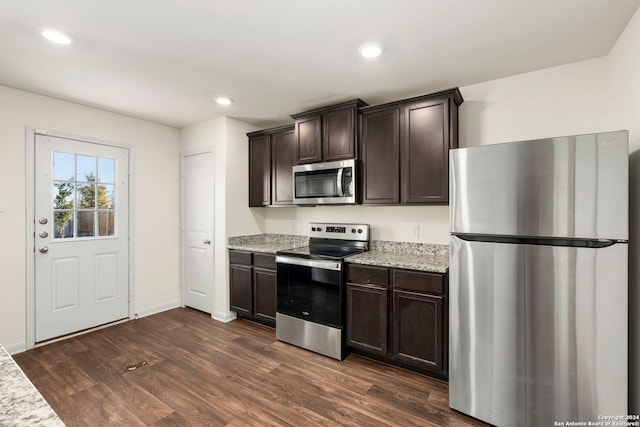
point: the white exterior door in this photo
(81, 235)
(197, 223)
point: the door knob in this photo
(43, 249)
(43, 234)
(43, 221)
(207, 242)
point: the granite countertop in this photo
(433, 258)
(267, 243)
(20, 403)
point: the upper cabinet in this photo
(405, 149)
(326, 134)
(259, 169)
(281, 164)
(402, 148)
(270, 163)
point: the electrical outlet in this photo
(292, 227)
(414, 231)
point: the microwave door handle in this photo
(339, 182)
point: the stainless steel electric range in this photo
(311, 293)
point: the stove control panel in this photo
(359, 232)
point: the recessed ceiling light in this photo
(223, 100)
(56, 36)
(370, 50)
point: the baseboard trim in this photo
(16, 348)
(157, 309)
(224, 316)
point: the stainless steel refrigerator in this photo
(538, 280)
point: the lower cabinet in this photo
(367, 318)
(252, 286)
(264, 294)
(417, 330)
(398, 316)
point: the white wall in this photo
(387, 222)
(566, 100)
(624, 75)
(227, 139)
(155, 191)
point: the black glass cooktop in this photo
(321, 252)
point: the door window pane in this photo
(106, 223)
(62, 224)
(106, 198)
(64, 166)
(63, 197)
(84, 196)
(106, 170)
(86, 168)
(86, 223)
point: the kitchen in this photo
(591, 95)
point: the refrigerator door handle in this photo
(543, 241)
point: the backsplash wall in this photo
(387, 222)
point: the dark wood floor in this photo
(200, 372)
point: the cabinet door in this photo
(259, 171)
(338, 134)
(425, 153)
(308, 138)
(367, 318)
(418, 330)
(264, 294)
(240, 277)
(281, 163)
(380, 132)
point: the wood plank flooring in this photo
(200, 372)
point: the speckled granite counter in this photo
(267, 243)
(20, 403)
(412, 256)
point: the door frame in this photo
(183, 154)
(30, 246)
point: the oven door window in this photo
(311, 294)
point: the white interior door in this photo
(197, 240)
(81, 234)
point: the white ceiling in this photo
(165, 60)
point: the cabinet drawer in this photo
(240, 257)
(368, 275)
(264, 260)
(418, 281)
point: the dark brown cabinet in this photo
(281, 164)
(417, 329)
(326, 134)
(398, 316)
(367, 308)
(240, 278)
(264, 294)
(405, 149)
(252, 285)
(270, 162)
(259, 170)
(380, 133)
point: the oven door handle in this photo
(312, 263)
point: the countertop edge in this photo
(409, 266)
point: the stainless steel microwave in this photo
(325, 183)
